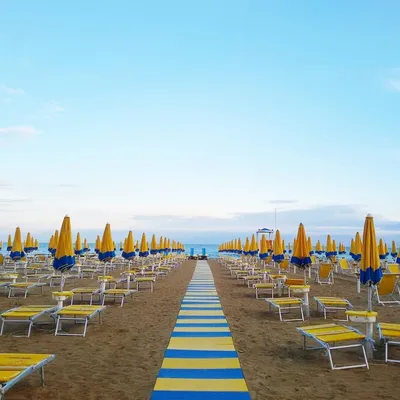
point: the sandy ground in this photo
(274, 363)
(118, 359)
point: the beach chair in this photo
(145, 283)
(390, 334)
(324, 274)
(284, 266)
(292, 282)
(117, 294)
(79, 314)
(24, 315)
(16, 366)
(85, 292)
(332, 305)
(252, 279)
(24, 287)
(333, 337)
(393, 268)
(387, 291)
(285, 305)
(264, 288)
(345, 266)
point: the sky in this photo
(199, 118)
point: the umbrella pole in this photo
(62, 282)
(370, 327)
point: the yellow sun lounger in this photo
(328, 335)
(79, 314)
(264, 288)
(24, 287)
(390, 334)
(145, 282)
(286, 305)
(387, 292)
(117, 293)
(85, 292)
(252, 279)
(24, 315)
(324, 274)
(16, 366)
(332, 305)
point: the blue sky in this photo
(121, 111)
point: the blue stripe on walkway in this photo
(231, 373)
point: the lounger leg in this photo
(57, 325)
(84, 329)
(42, 376)
(2, 327)
(30, 328)
(26, 293)
(330, 358)
(386, 351)
(122, 301)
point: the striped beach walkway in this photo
(200, 361)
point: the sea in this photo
(211, 249)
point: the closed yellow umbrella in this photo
(329, 248)
(386, 250)
(64, 259)
(310, 246)
(263, 248)
(277, 248)
(28, 244)
(289, 248)
(394, 249)
(318, 247)
(168, 246)
(154, 247)
(247, 247)
(239, 248)
(36, 244)
(137, 245)
(301, 253)
(357, 247)
(144, 250)
(78, 244)
(97, 246)
(85, 245)
(107, 252)
(253, 246)
(114, 246)
(9, 243)
(161, 244)
(370, 266)
(334, 249)
(283, 247)
(17, 251)
(50, 246)
(165, 245)
(129, 249)
(381, 249)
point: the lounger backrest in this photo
(313, 259)
(268, 260)
(284, 264)
(325, 270)
(387, 284)
(344, 264)
(1, 259)
(289, 282)
(393, 268)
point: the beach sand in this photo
(273, 361)
(118, 359)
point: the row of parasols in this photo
(277, 248)
(61, 246)
(366, 252)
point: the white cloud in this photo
(393, 85)
(52, 109)
(19, 130)
(10, 90)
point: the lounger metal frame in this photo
(330, 349)
(332, 308)
(286, 308)
(14, 289)
(27, 371)
(30, 320)
(82, 319)
(388, 342)
(121, 295)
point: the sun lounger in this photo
(390, 334)
(387, 292)
(145, 283)
(85, 292)
(264, 288)
(324, 274)
(24, 315)
(252, 279)
(16, 366)
(24, 287)
(117, 294)
(345, 266)
(393, 268)
(329, 335)
(292, 282)
(78, 314)
(332, 305)
(285, 305)
(36, 277)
